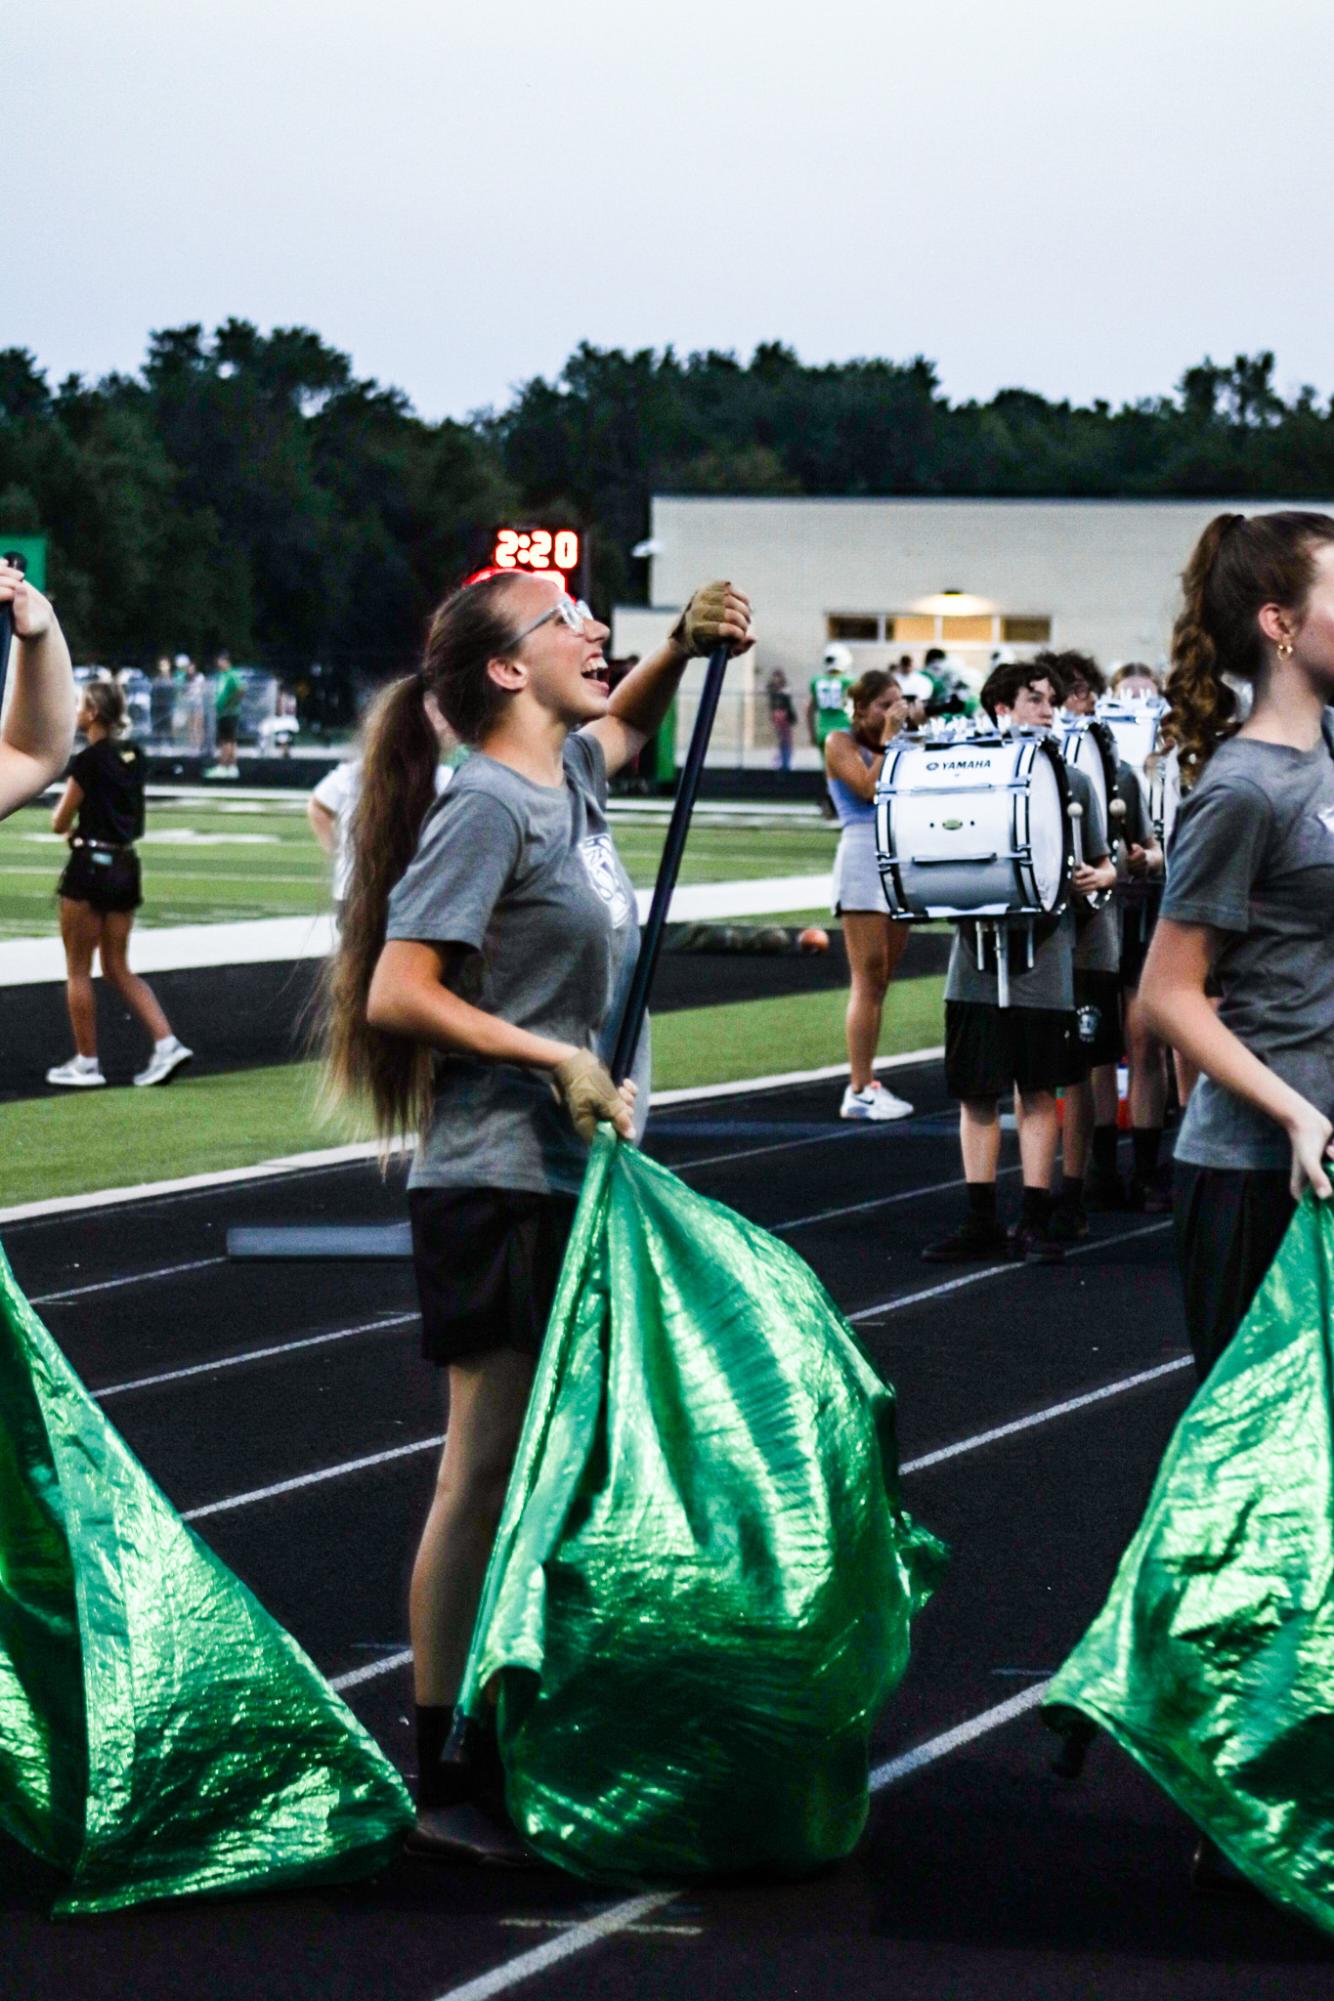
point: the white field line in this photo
(315, 1479)
(341, 1156)
(620, 1917)
(996, 1271)
(876, 1202)
(250, 1355)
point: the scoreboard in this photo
(543, 552)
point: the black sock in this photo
(1072, 1191)
(1035, 1207)
(434, 1786)
(1104, 1149)
(1145, 1141)
(982, 1201)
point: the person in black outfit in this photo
(102, 812)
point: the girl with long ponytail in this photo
(1249, 903)
(488, 939)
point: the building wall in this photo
(1104, 572)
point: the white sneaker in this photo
(77, 1074)
(875, 1102)
(164, 1063)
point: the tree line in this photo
(249, 490)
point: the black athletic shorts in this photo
(989, 1049)
(106, 878)
(1229, 1225)
(1098, 1009)
(225, 730)
(487, 1262)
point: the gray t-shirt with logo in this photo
(1049, 981)
(1253, 858)
(527, 878)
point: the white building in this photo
(894, 577)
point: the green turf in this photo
(108, 1139)
(236, 859)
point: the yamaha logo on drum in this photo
(957, 764)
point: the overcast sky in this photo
(1079, 200)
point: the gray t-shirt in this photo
(1049, 982)
(527, 878)
(1253, 858)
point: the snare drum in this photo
(973, 826)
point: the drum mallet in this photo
(17, 562)
(1077, 832)
(1116, 813)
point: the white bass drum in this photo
(1138, 730)
(973, 826)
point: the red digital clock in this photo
(544, 551)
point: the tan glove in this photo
(700, 626)
(587, 1092)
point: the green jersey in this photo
(227, 695)
(829, 695)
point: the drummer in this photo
(1031, 1046)
(1091, 1106)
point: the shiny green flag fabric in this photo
(702, 1585)
(1212, 1662)
(160, 1734)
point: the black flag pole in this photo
(18, 562)
(636, 1001)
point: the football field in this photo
(209, 860)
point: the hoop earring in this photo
(1285, 649)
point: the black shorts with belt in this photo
(102, 875)
(487, 1262)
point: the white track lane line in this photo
(877, 1202)
(323, 1473)
(925, 1460)
(527, 1965)
(903, 1299)
(591, 1932)
(132, 1278)
(249, 1355)
(998, 1431)
(53, 1209)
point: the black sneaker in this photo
(976, 1239)
(1104, 1191)
(1069, 1223)
(468, 1833)
(1148, 1198)
(1033, 1243)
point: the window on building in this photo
(966, 631)
(853, 625)
(911, 629)
(1026, 631)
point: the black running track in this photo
(980, 1873)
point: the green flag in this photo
(702, 1584)
(1212, 1661)
(160, 1734)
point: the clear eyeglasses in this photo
(570, 611)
